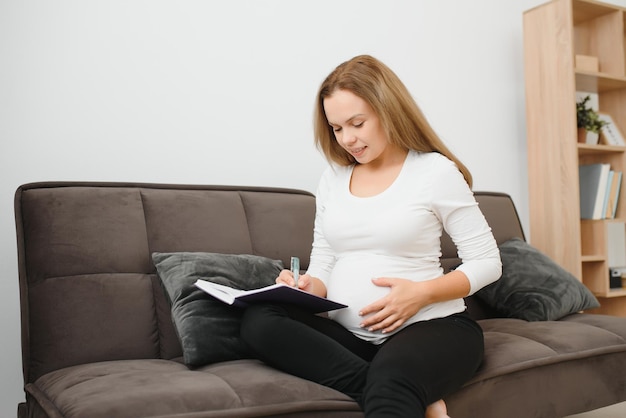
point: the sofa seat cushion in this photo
(550, 362)
(150, 388)
(514, 344)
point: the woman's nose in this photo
(348, 136)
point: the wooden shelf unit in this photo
(554, 33)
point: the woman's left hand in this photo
(402, 302)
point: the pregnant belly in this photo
(351, 284)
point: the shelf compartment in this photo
(596, 277)
(583, 11)
(598, 29)
(598, 82)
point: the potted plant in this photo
(588, 122)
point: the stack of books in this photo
(599, 191)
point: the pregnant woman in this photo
(392, 188)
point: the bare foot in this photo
(437, 410)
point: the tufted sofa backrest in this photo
(88, 287)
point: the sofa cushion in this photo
(153, 387)
(548, 362)
(207, 328)
(533, 287)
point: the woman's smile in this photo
(357, 152)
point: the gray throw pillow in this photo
(207, 328)
(533, 287)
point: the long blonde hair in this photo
(401, 118)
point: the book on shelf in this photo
(593, 183)
(614, 188)
(607, 192)
(276, 293)
(610, 133)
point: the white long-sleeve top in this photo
(397, 233)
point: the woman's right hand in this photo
(305, 281)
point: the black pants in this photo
(399, 378)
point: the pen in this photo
(295, 269)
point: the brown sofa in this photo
(98, 339)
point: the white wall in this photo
(221, 92)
